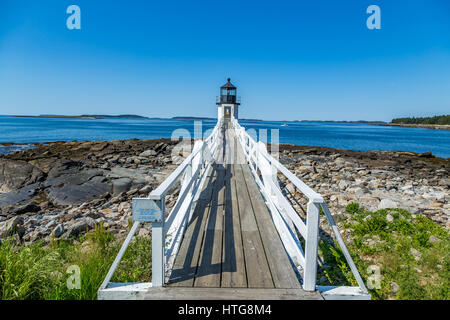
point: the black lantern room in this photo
(228, 94)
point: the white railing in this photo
(288, 222)
(192, 172)
(167, 235)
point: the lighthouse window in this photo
(224, 92)
(232, 92)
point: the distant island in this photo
(206, 118)
(440, 120)
(87, 116)
(193, 118)
(436, 122)
(341, 121)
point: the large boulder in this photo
(18, 197)
(17, 174)
(68, 184)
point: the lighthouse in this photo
(227, 102)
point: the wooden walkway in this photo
(231, 241)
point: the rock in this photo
(71, 215)
(394, 287)
(106, 211)
(146, 189)
(343, 184)
(30, 207)
(17, 174)
(12, 226)
(290, 187)
(389, 218)
(78, 227)
(387, 204)
(145, 233)
(132, 192)
(124, 206)
(426, 155)
(415, 253)
(121, 185)
(16, 197)
(68, 183)
(51, 224)
(148, 153)
(33, 236)
(58, 231)
(434, 239)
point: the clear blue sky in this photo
(290, 60)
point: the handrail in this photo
(193, 168)
(167, 234)
(260, 160)
(172, 178)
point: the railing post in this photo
(158, 247)
(312, 233)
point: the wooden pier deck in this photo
(231, 241)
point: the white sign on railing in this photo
(146, 210)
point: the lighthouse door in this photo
(227, 113)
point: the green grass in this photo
(39, 271)
(373, 240)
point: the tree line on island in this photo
(439, 120)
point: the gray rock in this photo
(148, 153)
(389, 218)
(70, 193)
(17, 174)
(12, 226)
(343, 184)
(68, 183)
(58, 231)
(146, 189)
(16, 197)
(121, 185)
(394, 287)
(415, 253)
(79, 227)
(30, 207)
(387, 204)
(434, 239)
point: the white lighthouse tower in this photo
(227, 103)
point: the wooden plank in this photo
(257, 268)
(193, 293)
(210, 265)
(283, 274)
(233, 264)
(185, 265)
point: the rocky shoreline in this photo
(424, 126)
(376, 180)
(63, 189)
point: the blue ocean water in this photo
(352, 136)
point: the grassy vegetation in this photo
(412, 252)
(445, 119)
(39, 271)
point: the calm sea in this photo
(352, 136)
